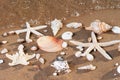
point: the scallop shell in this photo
(116, 29)
(55, 26)
(50, 44)
(99, 27)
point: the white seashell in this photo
(67, 35)
(55, 26)
(42, 60)
(116, 64)
(80, 48)
(78, 54)
(11, 32)
(3, 51)
(45, 30)
(4, 42)
(89, 39)
(116, 29)
(5, 34)
(62, 53)
(20, 40)
(1, 61)
(99, 27)
(118, 69)
(74, 25)
(87, 67)
(89, 57)
(64, 44)
(55, 74)
(37, 56)
(33, 48)
(99, 37)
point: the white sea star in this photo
(20, 57)
(30, 30)
(95, 45)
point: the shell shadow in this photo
(110, 75)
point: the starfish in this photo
(20, 57)
(30, 30)
(96, 45)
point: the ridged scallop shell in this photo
(99, 27)
(50, 44)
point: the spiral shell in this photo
(99, 27)
(50, 44)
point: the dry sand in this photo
(14, 14)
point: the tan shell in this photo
(99, 27)
(50, 44)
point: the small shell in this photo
(42, 60)
(78, 54)
(62, 53)
(55, 26)
(33, 48)
(87, 67)
(89, 57)
(80, 48)
(37, 56)
(116, 64)
(5, 34)
(50, 44)
(67, 35)
(20, 40)
(116, 29)
(99, 37)
(4, 42)
(64, 44)
(1, 61)
(118, 69)
(55, 74)
(11, 32)
(99, 27)
(3, 51)
(74, 25)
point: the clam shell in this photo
(50, 44)
(99, 27)
(89, 57)
(67, 35)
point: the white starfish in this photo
(95, 45)
(30, 30)
(20, 57)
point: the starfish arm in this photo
(9, 56)
(36, 32)
(38, 27)
(80, 43)
(109, 43)
(103, 52)
(89, 50)
(29, 56)
(93, 37)
(27, 35)
(20, 31)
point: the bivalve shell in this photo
(67, 35)
(116, 29)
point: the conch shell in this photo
(50, 44)
(99, 27)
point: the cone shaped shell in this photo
(50, 44)
(99, 27)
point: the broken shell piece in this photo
(3, 51)
(5, 34)
(1, 61)
(87, 67)
(89, 57)
(89, 39)
(118, 69)
(80, 48)
(62, 53)
(20, 40)
(74, 25)
(64, 44)
(55, 26)
(4, 42)
(99, 27)
(55, 74)
(78, 54)
(37, 56)
(67, 35)
(42, 60)
(11, 32)
(33, 48)
(99, 37)
(116, 29)
(50, 44)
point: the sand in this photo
(14, 14)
